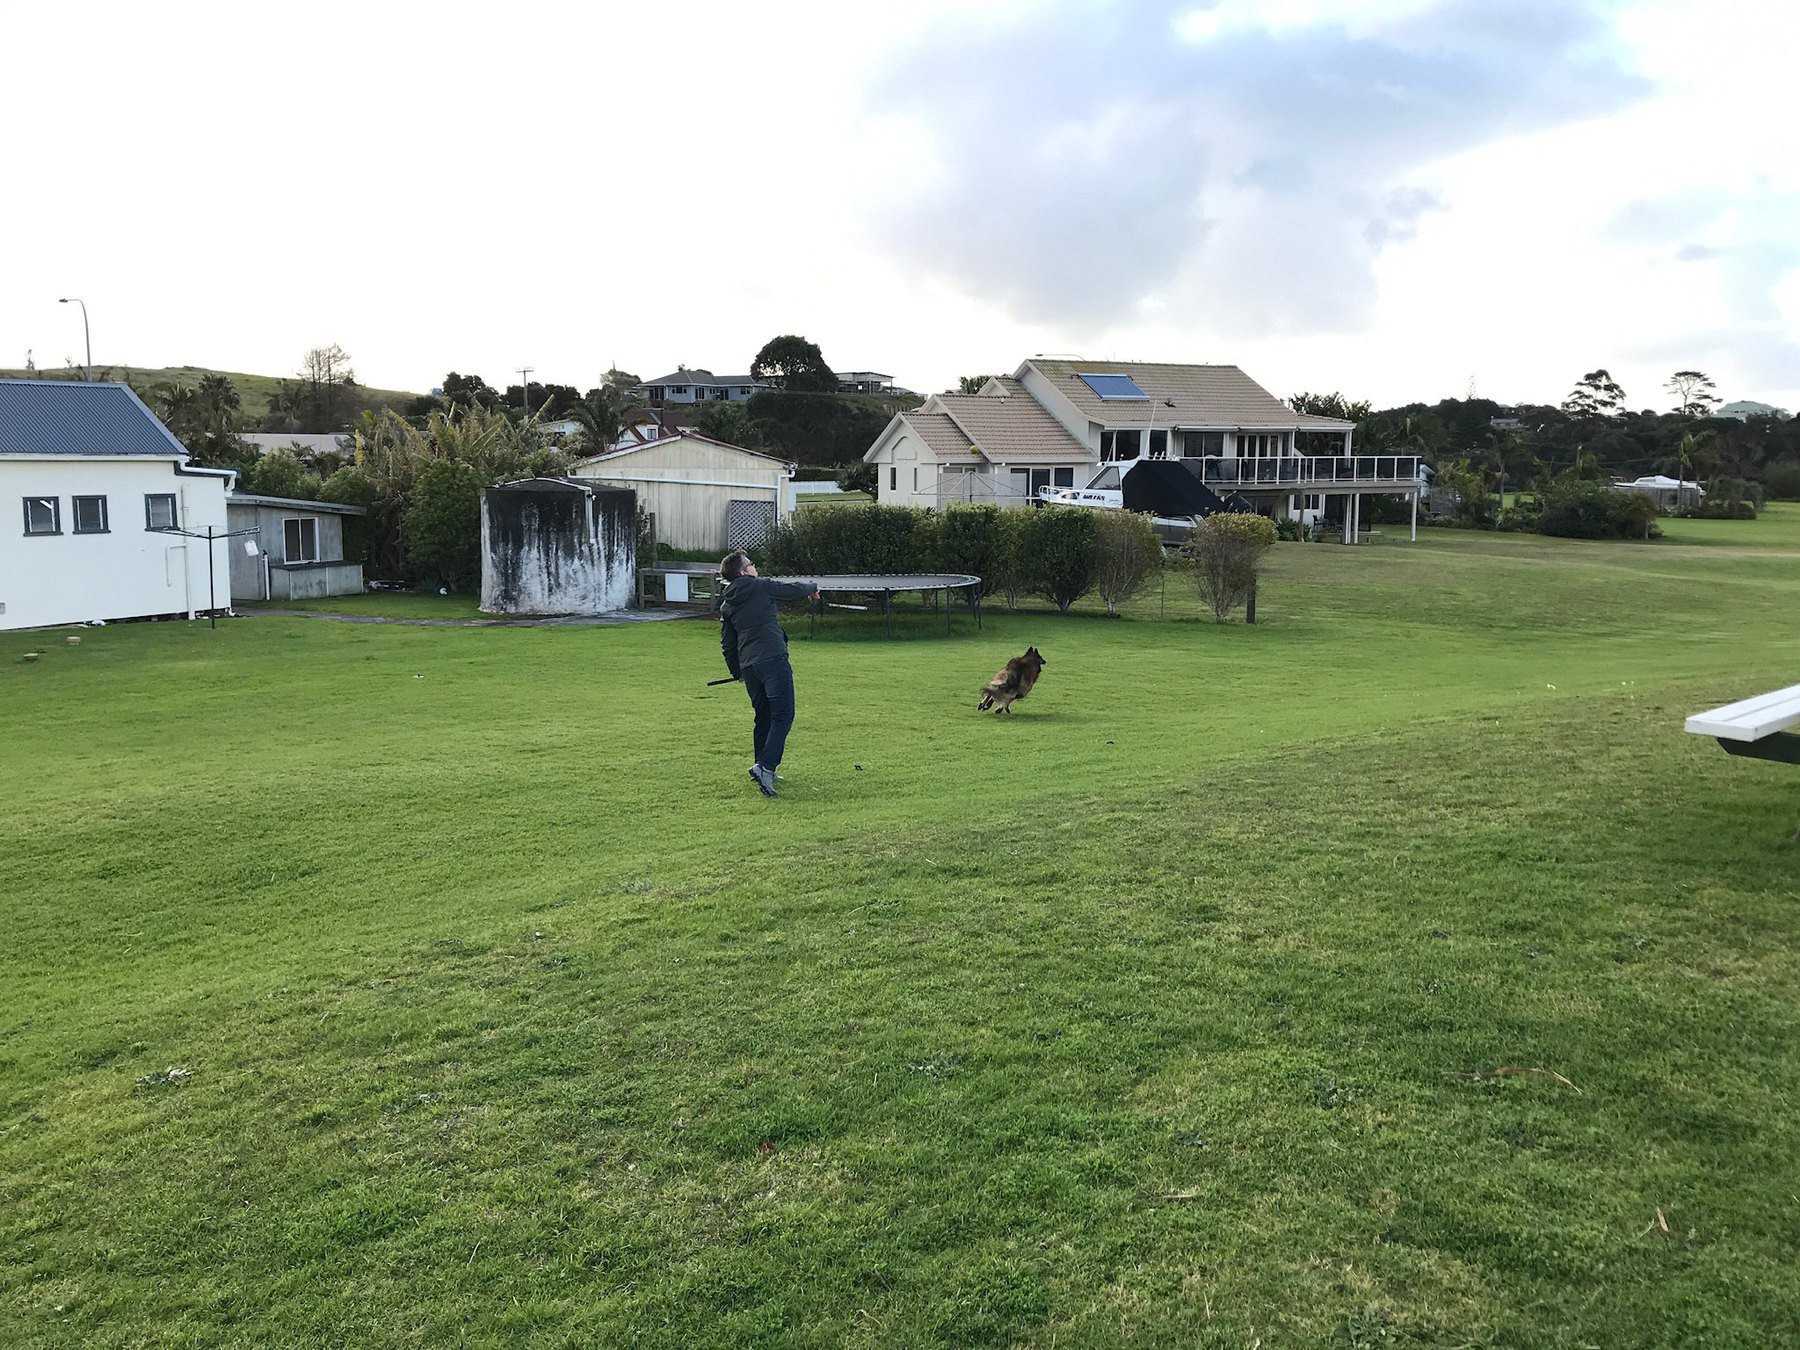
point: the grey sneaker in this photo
(779, 778)
(763, 779)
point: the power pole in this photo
(525, 389)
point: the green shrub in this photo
(1782, 480)
(859, 477)
(828, 539)
(280, 473)
(443, 524)
(1130, 554)
(1224, 557)
(1576, 509)
(1058, 554)
(351, 487)
(972, 539)
(1009, 576)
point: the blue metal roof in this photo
(68, 417)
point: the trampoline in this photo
(690, 577)
(886, 585)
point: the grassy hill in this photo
(254, 390)
(1394, 972)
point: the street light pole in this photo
(86, 342)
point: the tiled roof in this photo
(1011, 429)
(67, 417)
(1189, 396)
(943, 436)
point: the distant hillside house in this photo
(701, 493)
(1745, 409)
(1669, 494)
(867, 382)
(105, 510)
(1055, 423)
(698, 386)
(299, 548)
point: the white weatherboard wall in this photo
(688, 483)
(127, 572)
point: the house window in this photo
(43, 515)
(1261, 445)
(893, 478)
(159, 511)
(680, 389)
(1062, 477)
(1195, 444)
(1120, 444)
(90, 515)
(301, 535)
(915, 478)
(1159, 445)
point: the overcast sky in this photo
(1397, 199)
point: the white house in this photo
(1054, 423)
(702, 493)
(108, 522)
(698, 386)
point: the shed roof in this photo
(295, 503)
(682, 434)
(72, 418)
(555, 484)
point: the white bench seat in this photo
(1750, 719)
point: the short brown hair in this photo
(733, 565)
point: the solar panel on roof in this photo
(1113, 386)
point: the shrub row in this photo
(1058, 552)
(1584, 510)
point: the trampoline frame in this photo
(885, 584)
(889, 584)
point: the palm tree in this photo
(600, 419)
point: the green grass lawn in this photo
(1395, 971)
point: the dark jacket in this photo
(752, 631)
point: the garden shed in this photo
(702, 493)
(557, 546)
(299, 548)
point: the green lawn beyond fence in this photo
(1395, 971)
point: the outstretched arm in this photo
(794, 590)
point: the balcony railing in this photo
(1316, 472)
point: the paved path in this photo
(549, 621)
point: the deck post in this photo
(1415, 514)
(1348, 498)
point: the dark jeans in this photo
(771, 688)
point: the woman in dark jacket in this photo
(755, 649)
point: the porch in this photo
(1312, 473)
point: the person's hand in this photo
(814, 595)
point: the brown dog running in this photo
(1011, 682)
